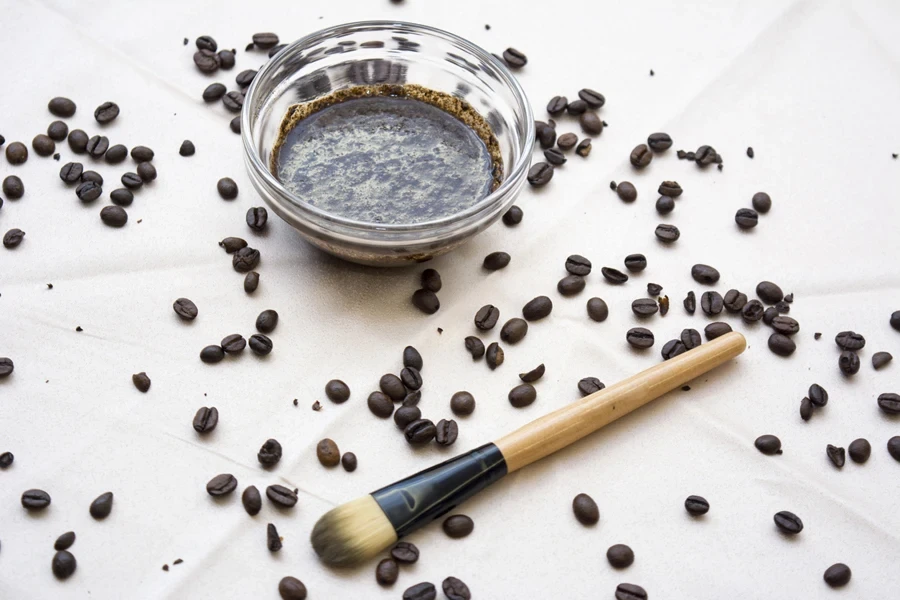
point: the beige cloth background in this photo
(812, 86)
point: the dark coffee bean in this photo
(424, 590)
(257, 217)
(769, 292)
(620, 556)
(514, 58)
(462, 403)
(251, 282)
(212, 354)
(557, 105)
(97, 146)
(61, 107)
(768, 444)
(781, 344)
(592, 98)
(597, 309)
(704, 274)
(644, 307)
(431, 280)
(785, 325)
(327, 452)
(712, 302)
(106, 112)
(880, 359)
(426, 301)
(387, 571)
(234, 343)
(537, 308)
(848, 362)
(578, 265)
(35, 499)
(12, 238)
(893, 447)
(88, 191)
(113, 216)
(591, 124)
(142, 154)
(206, 42)
(667, 233)
(405, 552)
(690, 338)
(585, 509)
(260, 344)
(57, 131)
(6, 368)
(65, 541)
(455, 589)
(641, 156)
(850, 340)
(486, 317)
(753, 311)
(269, 453)
(889, 403)
(696, 505)
(349, 462)
(380, 405)
(806, 408)
(411, 378)
(788, 522)
(665, 205)
(92, 176)
(227, 188)
(513, 216)
(116, 154)
(132, 181)
(446, 432)
(419, 432)
(273, 540)
(206, 60)
(43, 145)
(251, 500)
(750, 152)
(474, 346)
(746, 218)
(639, 337)
(627, 193)
(185, 309)
(514, 330)
(206, 419)
(835, 455)
(659, 142)
(522, 395)
(672, 348)
(495, 261)
(78, 141)
(583, 148)
(540, 174)
(221, 485)
(762, 202)
(635, 262)
(186, 149)
(245, 78)
(264, 41)
(783, 307)
(337, 391)
(291, 588)
(494, 355)
(706, 155)
(146, 171)
(859, 450)
(589, 385)
(63, 564)
(613, 276)
(630, 591)
(245, 259)
(70, 172)
(545, 134)
(576, 107)
(770, 315)
(141, 381)
(102, 506)
(232, 245)
(6, 458)
(818, 395)
(412, 399)
(670, 188)
(280, 495)
(837, 575)
(14, 188)
(734, 301)
(567, 141)
(690, 303)
(405, 415)
(16, 153)
(654, 289)
(572, 284)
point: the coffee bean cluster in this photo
(387, 571)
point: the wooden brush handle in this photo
(568, 424)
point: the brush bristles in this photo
(352, 533)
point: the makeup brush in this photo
(354, 532)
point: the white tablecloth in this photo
(813, 86)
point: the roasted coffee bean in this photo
(220, 485)
(419, 432)
(92, 176)
(746, 218)
(280, 495)
(88, 191)
(670, 188)
(768, 444)
(337, 391)
(627, 193)
(557, 105)
(273, 540)
(672, 348)
(251, 282)
(245, 259)
(514, 330)
(260, 344)
(113, 216)
(63, 564)
(257, 217)
(620, 556)
(762, 202)
(554, 157)
(591, 124)
(818, 395)
(57, 131)
(589, 385)
(146, 171)
(639, 337)
(522, 395)
(234, 343)
(785, 325)
(540, 174)
(431, 280)
(97, 146)
(889, 403)
(850, 340)
(35, 499)
(349, 462)
(750, 153)
(106, 112)
(514, 58)
(269, 453)
(186, 149)
(424, 590)
(644, 307)
(788, 522)
(880, 359)
(474, 346)
(635, 262)
(835, 455)
(267, 321)
(753, 311)
(545, 134)
(245, 77)
(206, 419)
(690, 338)
(712, 302)
(704, 274)
(78, 141)
(6, 458)
(206, 42)
(455, 589)
(630, 591)
(446, 432)
(43, 145)
(116, 154)
(227, 188)
(102, 506)
(641, 156)
(426, 301)
(411, 378)
(781, 344)
(185, 309)
(141, 381)
(537, 308)
(690, 303)
(206, 61)
(487, 317)
(327, 452)
(769, 292)
(494, 355)
(462, 403)
(571, 285)
(65, 541)
(405, 415)
(61, 107)
(495, 261)
(837, 575)
(893, 447)
(567, 141)
(380, 404)
(783, 307)
(13, 187)
(132, 181)
(806, 408)
(212, 354)
(848, 362)
(576, 107)
(613, 276)
(667, 233)
(142, 154)
(291, 588)
(16, 153)
(513, 216)
(583, 148)
(405, 552)
(71, 172)
(696, 505)
(265, 41)
(597, 309)
(592, 98)
(859, 450)
(387, 571)
(665, 205)
(654, 289)
(769, 315)
(12, 238)
(251, 500)
(585, 509)
(659, 142)
(578, 265)
(734, 301)
(706, 155)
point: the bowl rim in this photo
(509, 182)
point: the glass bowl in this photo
(386, 52)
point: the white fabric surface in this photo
(812, 86)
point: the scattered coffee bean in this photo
(251, 500)
(696, 505)
(70, 173)
(6, 458)
(659, 142)
(567, 141)
(282, 496)
(848, 362)
(770, 315)
(405, 552)
(474, 346)
(545, 134)
(102, 506)
(690, 338)
(665, 205)
(585, 509)
(496, 261)
(260, 344)
(446, 432)
(784, 325)
(837, 575)
(88, 191)
(63, 564)
(690, 303)
(654, 289)
(540, 174)
(705, 274)
(627, 193)
(706, 155)
(769, 292)
(12, 238)
(537, 308)
(380, 404)
(141, 382)
(850, 340)
(206, 419)
(43, 145)
(187, 147)
(487, 317)
(349, 462)
(227, 188)
(61, 107)
(142, 154)
(214, 91)
(269, 453)
(592, 98)
(514, 330)
(613, 276)
(557, 105)
(880, 359)
(113, 216)
(57, 131)
(336, 390)
(106, 112)
(522, 395)
(431, 280)
(806, 408)
(893, 447)
(635, 262)
(712, 302)
(212, 354)
(667, 233)
(494, 355)
(583, 148)
(630, 591)
(13, 187)
(734, 301)
(273, 540)
(663, 305)
(644, 307)
(589, 385)
(233, 101)
(185, 309)
(257, 217)
(835, 455)
(514, 58)
(859, 450)
(146, 171)
(387, 571)
(576, 107)
(889, 403)
(462, 403)
(221, 485)
(97, 146)
(420, 431)
(781, 344)
(16, 153)
(672, 348)
(234, 343)
(411, 378)
(597, 309)
(65, 541)
(670, 188)
(753, 311)
(746, 218)
(591, 124)
(513, 216)
(424, 590)
(426, 301)
(291, 588)
(251, 282)
(641, 156)
(116, 154)
(620, 556)
(578, 265)
(132, 181)
(571, 285)
(455, 589)
(788, 522)
(92, 176)
(245, 259)
(768, 444)
(35, 499)
(817, 395)
(762, 202)
(639, 337)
